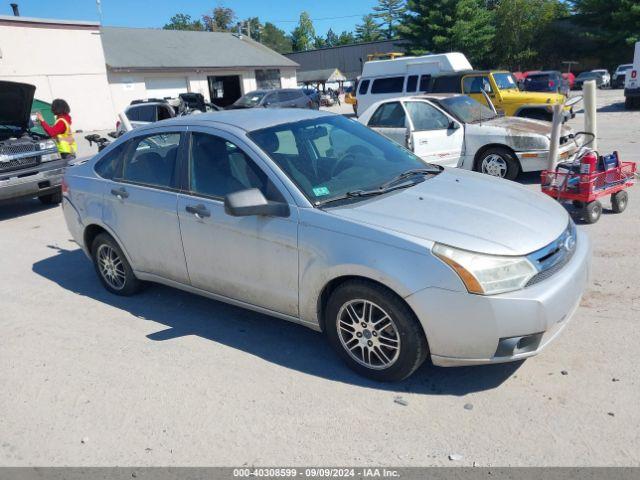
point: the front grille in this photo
(18, 149)
(552, 258)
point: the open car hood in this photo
(15, 103)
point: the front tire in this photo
(374, 331)
(592, 211)
(112, 266)
(619, 201)
(498, 162)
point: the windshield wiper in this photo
(408, 174)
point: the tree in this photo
(181, 21)
(332, 39)
(427, 25)
(304, 34)
(346, 38)
(222, 19)
(319, 42)
(474, 32)
(275, 38)
(390, 13)
(253, 27)
(368, 30)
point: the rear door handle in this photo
(200, 211)
(120, 193)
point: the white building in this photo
(99, 71)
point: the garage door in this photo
(163, 87)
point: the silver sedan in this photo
(316, 219)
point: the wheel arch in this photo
(336, 282)
(92, 230)
(489, 146)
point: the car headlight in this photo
(484, 274)
(48, 145)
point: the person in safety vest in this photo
(60, 131)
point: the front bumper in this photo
(467, 329)
(32, 182)
(538, 160)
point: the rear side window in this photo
(389, 115)
(412, 83)
(476, 85)
(388, 85)
(364, 86)
(142, 113)
(425, 80)
(111, 164)
(152, 160)
(163, 112)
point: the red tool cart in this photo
(588, 179)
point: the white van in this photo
(383, 79)
(632, 83)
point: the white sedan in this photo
(457, 131)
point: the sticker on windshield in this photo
(320, 191)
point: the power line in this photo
(315, 19)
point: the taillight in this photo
(634, 74)
(118, 125)
(551, 84)
(64, 186)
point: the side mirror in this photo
(453, 125)
(251, 202)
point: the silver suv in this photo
(316, 219)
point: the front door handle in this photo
(120, 193)
(200, 211)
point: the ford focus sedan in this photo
(316, 219)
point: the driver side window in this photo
(426, 117)
(476, 85)
(389, 115)
(218, 167)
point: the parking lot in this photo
(169, 378)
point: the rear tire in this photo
(52, 198)
(592, 211)
(112, 266)
(498, 162)
(619, 201)
(374, 331)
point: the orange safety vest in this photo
(65, 141)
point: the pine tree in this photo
(346, 38)
(332, 38)
(427, 25)
(368, 30)
(390, 13)
(304, 34)
(473, 32)
(275, 38)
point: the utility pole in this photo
(99, 8)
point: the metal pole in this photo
(590, 124)
(555, 136)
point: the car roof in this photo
(247, 119)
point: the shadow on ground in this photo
(270, 339)
(18, 208)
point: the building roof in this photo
(325, 75)
(141, 48)
(32, 21)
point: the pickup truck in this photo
(30, 165)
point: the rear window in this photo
(388, 85)
(142, 113)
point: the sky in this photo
(155, 13)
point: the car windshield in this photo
(624, 68)
(505, 81)
(251, 99)
(584, 75)
(331, 157)
(466, 109)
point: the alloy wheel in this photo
(111, 267)
(368, 334)
(494, 165)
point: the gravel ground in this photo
(168, 378)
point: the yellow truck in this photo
(502, 89)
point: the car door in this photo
(251, 259)
(140, 204)
(390, 120)
(435, 137)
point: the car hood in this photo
(15, 103)
(524, 126)
(466, 210)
